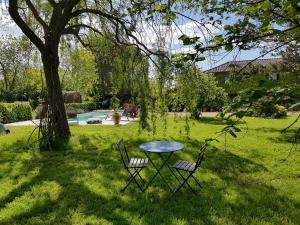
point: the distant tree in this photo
(13, 60)
(81, 74)
(292, 56)
(199, 91)
(115, 67)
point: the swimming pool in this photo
(97, 114)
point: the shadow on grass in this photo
(217, 121)
(286, 137)
(89, 181)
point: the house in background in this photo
(235, 76)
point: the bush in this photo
(82, 107)
(21, 94)
(281, 111)
(71, 108)
(14, 112)
(265, 107)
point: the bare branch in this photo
(81, 41)
(115, 20)
(74, 29)
(273, 49)
(292, 124)
(36, 14)
(13, 11)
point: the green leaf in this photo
(265, 27)
(227, 27)
(188, 40)
(218, 39)
(161, 7)
(236, 129)
(232, 133)
(228, 47)
(200, 58)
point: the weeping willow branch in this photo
(292, 124)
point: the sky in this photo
(148, 36)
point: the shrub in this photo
(22, 94)
(82, 107)
(73, 108)
(281, 110)
(14, 112)
(265, 107)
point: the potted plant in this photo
(115, 103)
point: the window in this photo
(226, 79)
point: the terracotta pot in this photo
(116, 117)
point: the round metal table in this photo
(165, 150)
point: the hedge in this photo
(14, 112)
(73, 107)
(84, 107)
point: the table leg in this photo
(170, 168)
(165, 161)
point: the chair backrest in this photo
(201, 154)
(123, 152)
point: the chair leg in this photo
(140, 176)
(197, 181)
(132, 178)
(134, 174)
(185, 181)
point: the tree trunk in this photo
(55, 100)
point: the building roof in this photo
(233, 65)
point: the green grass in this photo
(253, 182)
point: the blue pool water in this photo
(98, 114)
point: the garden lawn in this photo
(256, 180)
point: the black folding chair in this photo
(190, 168)
(134, 165)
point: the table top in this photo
(162, 146)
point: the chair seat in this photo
(137, 163)
(185, 165)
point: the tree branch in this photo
(36, 14)
(273, 49)
(292, 124)
(53, 3)
(81, 41)
(115, 20)
(74, 29)
(13, 11)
